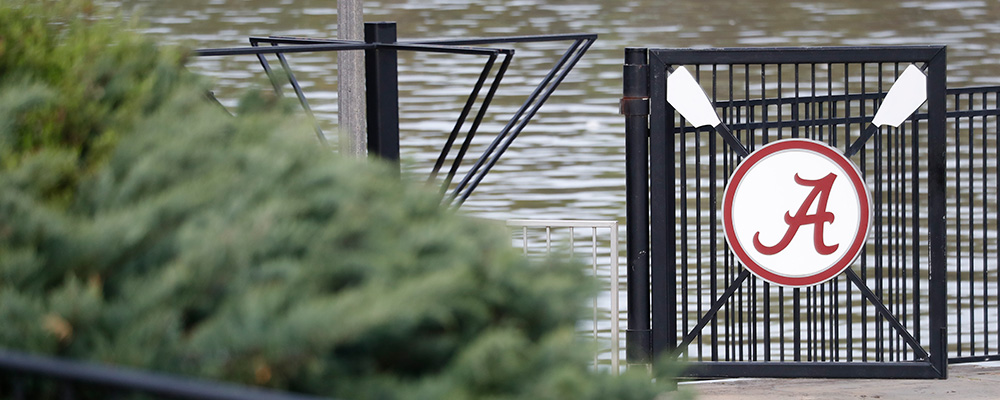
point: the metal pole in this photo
(351, 80)
(635, 107)
(382, 89)
(937, 225)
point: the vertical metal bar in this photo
(903, 230)
(593, 263)
(713, 221)
(731, 265)
(614, 300)
(958, 229)
(897, 224)
(740, 308)
(864, 252)
(796, 325)
(635, 87)
(996, 208)
(972, 235)
(879, 228)
(548, 240)
(699, 272)
(985, 253)
(684, 222)
(916, 238)
(937, 206)
(382, 91)
(663, 224)
(524, 238)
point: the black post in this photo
(936, 207)
(662, 214)
(635, 107)
(382, 91)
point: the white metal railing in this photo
(603, 254)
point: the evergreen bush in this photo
(142, 226)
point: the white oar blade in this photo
(904, 97)
(688, 98)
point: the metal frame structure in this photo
(594, 259)
(974, 217)
(381, 46)
(667, 314)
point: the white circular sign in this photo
(796, 212)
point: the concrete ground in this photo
(965, 381)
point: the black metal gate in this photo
(885, 316)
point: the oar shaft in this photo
(860, 142)
(731, 140)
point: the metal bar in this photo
(635, 94)
(463, 115)
(662, 214)
(477, 121)
(985, 252)
(512, 126)
(937, 209)
(791, 55)
(713, 223)
(614, 300)
(886, 370)
(399, 46)
(593, 263)
(958, 232)
(570, 58)
(508, 39)
(451, 42)
(382, 90)
(245, 51)
(131, 379)
(267, 71)
(301, 95)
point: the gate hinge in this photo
(633, 106)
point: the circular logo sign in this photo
(796, 212)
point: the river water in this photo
(569, 162)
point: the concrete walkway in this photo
(965, 382)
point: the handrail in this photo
(132, 380)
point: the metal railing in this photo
(596, 243)
(382, 94)
(24, 376)
(973, 224)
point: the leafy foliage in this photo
(153, 230)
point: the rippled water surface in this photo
(569, 162)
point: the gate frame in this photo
(651, 209)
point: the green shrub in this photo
(235, 248)
(74, 81)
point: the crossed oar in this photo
(907, 93)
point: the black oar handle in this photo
(860, 142)
(731, 140)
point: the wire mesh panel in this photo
(882, 317)
(595, 244)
